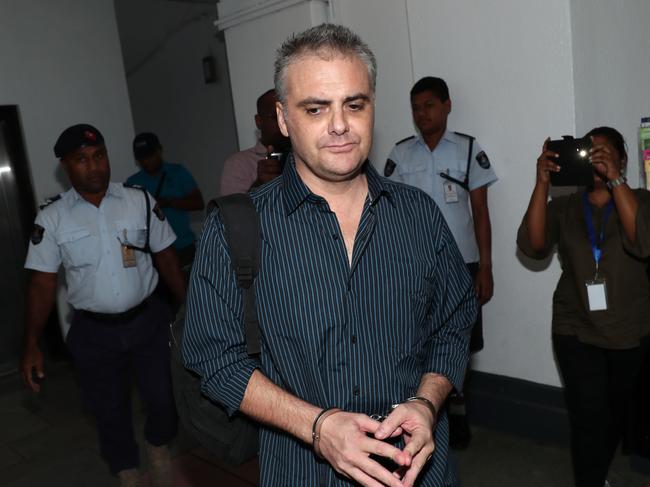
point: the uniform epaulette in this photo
(465, 135)
(404, 140)
(133, 186)
(49, 201)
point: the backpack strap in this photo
(242, 232)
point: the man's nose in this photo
(338, 122)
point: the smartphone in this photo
(573, 159)
(281, 157)
(274, 155)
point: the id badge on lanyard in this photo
(128, 254)
(596, 287)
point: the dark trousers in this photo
(105, 357)
(598, 386)
(186, 259)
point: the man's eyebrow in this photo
(323, 102)
(357, 97)
(313, 101)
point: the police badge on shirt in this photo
(483, 160)
(36, 236)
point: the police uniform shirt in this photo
(87, 241)
(416, 165)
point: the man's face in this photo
(429, 113)
(267, 123)
(329, 116)
(152, 163)
(88, 169)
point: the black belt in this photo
(116, 318)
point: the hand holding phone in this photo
(573, 159)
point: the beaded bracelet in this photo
(316, 426)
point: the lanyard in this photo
(596, 245)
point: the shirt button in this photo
(356, 391)
(354, 339)
(335, 237)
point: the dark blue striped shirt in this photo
(356, 336)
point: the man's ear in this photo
(258, 122)
(447, 106)
(65, 164)
(282, 123)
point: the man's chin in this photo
(96, 188)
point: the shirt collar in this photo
(296, 191)
(449, 136)
(113, 189)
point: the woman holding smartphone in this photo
(601, 305)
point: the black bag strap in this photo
(465, 183)
(146, 249)
(469, 161)
(242, 231)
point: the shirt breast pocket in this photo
(408, 295)
(132, 233)
(79, 248)
(458, 175)
(412, 173)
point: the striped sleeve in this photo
(455, 312)
(214, 341)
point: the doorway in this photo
(17, 212)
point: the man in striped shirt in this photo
(363, 298)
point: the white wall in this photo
(251, 53)
(384, 27)
(163, 45)
(61, 64)
(611, 51)
(510, 80)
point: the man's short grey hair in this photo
(323, 40)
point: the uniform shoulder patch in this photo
(389, 167)
(159, 213)
(404, 140)
(465, 135)
(483, 160)
(37, 234)
(49, 201)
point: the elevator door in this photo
(16, 212)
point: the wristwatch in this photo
(612, 183)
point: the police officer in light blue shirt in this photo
(105, 236)
(454, 170)
(87, 241)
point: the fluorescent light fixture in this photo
(4, 169)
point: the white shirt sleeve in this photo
(481, 172)
(43, 255)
